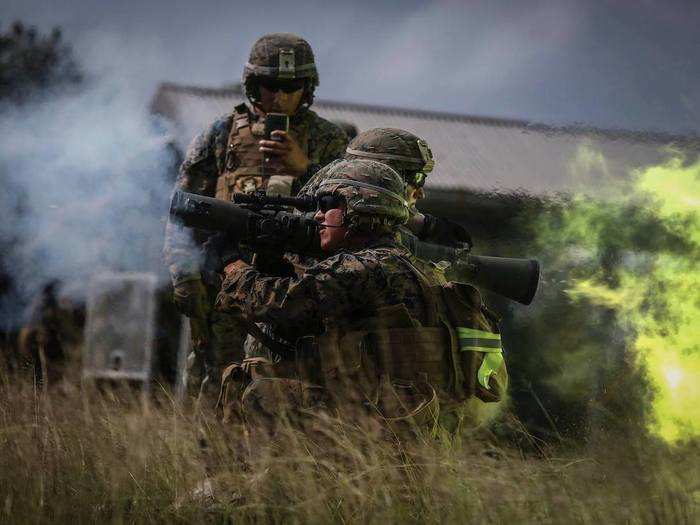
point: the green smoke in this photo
(637, 254)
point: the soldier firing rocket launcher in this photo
(264, 222)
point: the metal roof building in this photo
(477, 158)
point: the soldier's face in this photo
(331, 229)
(274, 100)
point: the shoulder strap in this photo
(241, 122)
(241, 116)
(239, 126)
(432, 305)
(438, 316)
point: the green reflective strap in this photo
(489, 343)
(489, 366)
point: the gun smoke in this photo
(86, 177)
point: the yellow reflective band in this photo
(473, 332)
(483, 349)
(488, 343)
(489, 366)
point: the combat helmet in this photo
(283, 56)
(406, 153)
(373, 193)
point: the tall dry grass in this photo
(72, 455)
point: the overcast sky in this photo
(623, 64)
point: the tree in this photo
(31, 63)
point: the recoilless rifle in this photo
(264, 222)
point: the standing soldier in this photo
(233, 155)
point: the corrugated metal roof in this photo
(472, 153)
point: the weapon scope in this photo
(260, 199)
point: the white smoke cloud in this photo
(86, 177)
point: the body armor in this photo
(245, 169)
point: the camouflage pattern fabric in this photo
(373, 193)
(407, 154)
(203, 164)
(281, 56)
(335, 294)
(345, 286)
(337, 291)
(395, 147)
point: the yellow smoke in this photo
(659, 302)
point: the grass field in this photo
(68, 455)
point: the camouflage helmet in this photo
(373, 192)
(283, 56)
(403, 151)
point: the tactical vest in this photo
(245, 169)
(405, 369)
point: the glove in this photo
(191, 299)
(444, 231)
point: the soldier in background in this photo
(51, 335)
(412, 158)
(232, 156)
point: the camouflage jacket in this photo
(337, 291)
(205, 161)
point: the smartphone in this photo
(274, 122)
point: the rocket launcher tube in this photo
(258, 228)
(262, 224)
(515, 279)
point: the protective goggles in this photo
(287, 86)
(329, 201)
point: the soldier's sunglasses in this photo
(329, 202)
(287, 86)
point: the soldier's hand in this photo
(190, 297)
(287, 151)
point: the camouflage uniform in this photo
(224, 159)
(344, 286)
(371, 324)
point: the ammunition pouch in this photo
(357, 371)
